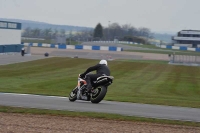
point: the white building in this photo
(10, 37)
(189, 38)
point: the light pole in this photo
(70, 39)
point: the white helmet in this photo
(103, 62)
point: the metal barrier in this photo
(188, 59)
(12, 48)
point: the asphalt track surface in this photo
(127, 109)
(90, 55)
(17, 58)
(99, 54)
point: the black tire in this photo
(73, 95)
(99, 94)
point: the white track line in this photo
(17, 94)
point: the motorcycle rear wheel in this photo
(98, 94)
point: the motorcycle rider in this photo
(101, 70)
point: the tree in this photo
(62, 32)
(27, 32)
(98, 31)
(129, 30)
(115, 31)
(134, 39)
(55, 33)
(144, 32)
(36, 32)
(121, 32)
(47, 33)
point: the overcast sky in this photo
(158, 15)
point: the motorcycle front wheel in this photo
(73, 94)
(98, 94)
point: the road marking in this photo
(17, 94)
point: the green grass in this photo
(150, 46)
(144, 46)
(37, 41)
(144, 61)
(138, 82)
(167, 52)
(93, 115)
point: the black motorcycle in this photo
(97, 93)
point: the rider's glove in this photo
(82, 75)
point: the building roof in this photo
(191, 30)
(195, 32)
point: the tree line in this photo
(43, 33)
(125, 32)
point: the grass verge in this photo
(136, 81)
(145, 61)
(106, 116)
(154, 49)
(167, 52)
(144, 46)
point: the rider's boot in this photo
(89, 86)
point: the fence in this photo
(185, 59)
(119, 42)
(80, 47)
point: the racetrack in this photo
(127, 109)
(99, 54)
(60, 103)
(16, 58)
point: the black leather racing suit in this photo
(101, 69)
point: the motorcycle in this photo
(97, 93)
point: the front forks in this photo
(79, 94)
